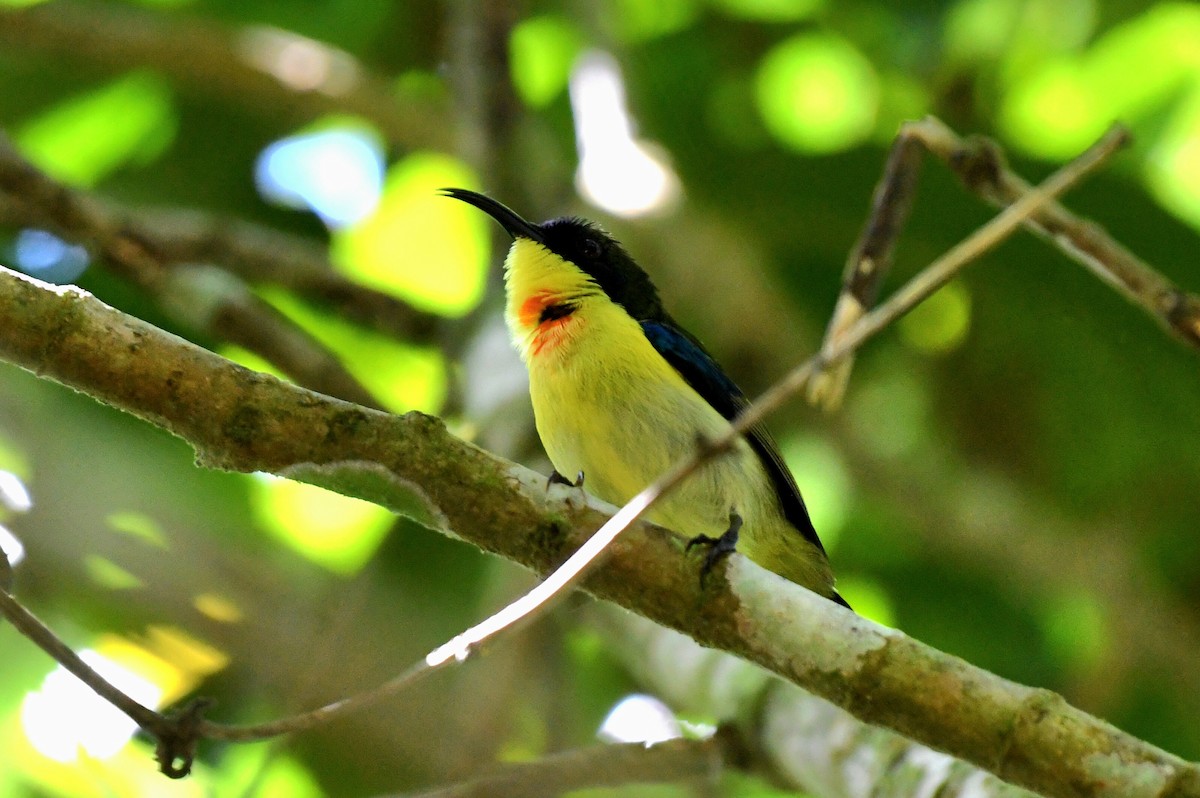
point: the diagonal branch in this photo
(980, 166)
(176, 273)
(598, 766)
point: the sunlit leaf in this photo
(771, 10)
(96, 728)
(1061, 108)
(823, 479)
(83, 139)
(402, 376)
(172, 658)
(868, 598)
(1017, 35)
(418, 245)
(637, 20)
(817, 93)
(251, 360)
(137, 525)
(12, 457)
(1173, 164)
(1056, 113)
(541, 53)
(107, 574)
(218, 607)
(335, 531)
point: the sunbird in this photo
(621, 393)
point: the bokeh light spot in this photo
(107, 574)
(402, 376)
(14, 496)
(64, 715)
(262, 770)
(618, 172)
(170, 657)
(13, 549)
(542, 50)
(817, 93)
(1133, 72)
(137, 525)
(1055, 114)
(640, 718)
(218, 608)
(1075, 630)
(1173, 163)
(43, 255)
(940, 323)
(868, 598)
(638, 20)
(337, 173)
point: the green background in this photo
(1014, 477)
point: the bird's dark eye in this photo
(590, 248)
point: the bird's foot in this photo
(556, 478)
(719, 547)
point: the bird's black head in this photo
(584, 244)
(603, 259)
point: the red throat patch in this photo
(546, 334)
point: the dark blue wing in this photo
(701, 372)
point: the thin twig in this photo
(262, 256)
(869, 261)
(29, 625)
(980, 166)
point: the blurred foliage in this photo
(1013, 479)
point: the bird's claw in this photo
(556, 478)
(718, 548)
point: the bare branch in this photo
(797, 739)
(869, 261)
(202, 296)
(981, 168)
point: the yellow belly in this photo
(623, 417)
(623, 435)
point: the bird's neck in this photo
(544, 301)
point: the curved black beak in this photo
(513, 224)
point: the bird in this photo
(621, 392)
